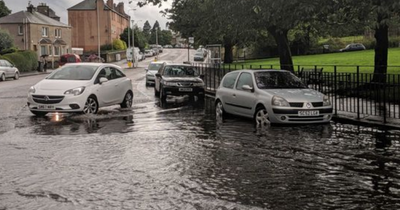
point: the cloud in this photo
(140, 15)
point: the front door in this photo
(245, 99)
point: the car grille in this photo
(185, 84)
(296, 104)
(315, 104)
(43, 99)
(305, 118)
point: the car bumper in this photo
(178, 91)
(150, 79)
(300, 116)
(69, 104)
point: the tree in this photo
(4, 11)
(147, 29)
(378, 14)
(140, 39)
(6, 40)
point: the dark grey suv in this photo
(178, 80)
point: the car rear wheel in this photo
(261, 117)
(127, 103)
(91, 106)
(3, 77)
(16, 77)
(38, 114)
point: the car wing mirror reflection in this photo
(103, 80)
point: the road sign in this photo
(191, 40)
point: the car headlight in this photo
(327, 102)
(198, 84)
(170, 83)
(279, 101)
(75, 91)
(32, 90)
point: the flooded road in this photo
(178, 156)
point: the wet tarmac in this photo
(178, 156)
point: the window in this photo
(45, 32)
(50, 50)
(57, 32)
(119, 73)
(43, 50)
(244, 79)
(56, 50)
(229, 80)
(20, 30)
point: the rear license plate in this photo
(308, 113)
(46, 107)
(185, 89)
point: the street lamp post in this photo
(132, 51)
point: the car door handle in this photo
(234, 95)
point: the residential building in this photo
(46, 10)
(32, 30)
(95, 23)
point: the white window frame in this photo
(56, 50)
(20, 29)
(45, 32)
(57, 32)
(43, 47)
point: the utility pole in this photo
(98, 28)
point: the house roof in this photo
(84, 5)
(34, 17)
(91, 5)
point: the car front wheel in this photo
(16, 77)
(3, 77)
(163, 96)
(219, 111)
(127, 103)
(91, 106)
(156, 93)
(261, 117)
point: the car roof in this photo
(260, 70)
(91, 64)
(177, 64)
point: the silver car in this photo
(271, 96)
(151, 71)
(8, 70)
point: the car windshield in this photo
(154, 66)
(277, 80)
(198, 54)
(180, 71)
(75, 72)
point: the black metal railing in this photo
(352, 89)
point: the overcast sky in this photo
(140, 15)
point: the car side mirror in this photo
(103, 80)
(158, 75)
(247, 87)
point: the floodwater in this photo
(176, 156)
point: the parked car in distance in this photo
(8, 70)
(271, 96)
(148, 53)
(198, 56)
(69, 58)
(202, 50)
(142, 56)
(353, 47)
(81, 88)
(152, 70)
(178, 80)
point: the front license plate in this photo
(46, 107)
(185, 89)
(308, 113)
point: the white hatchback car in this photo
(8, 70)
(82, 88)
(271, 96)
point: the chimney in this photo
(110, 3)
(44, 9)
(120, 7)
(31, 8)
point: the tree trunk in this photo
(381, 50)
(228, 57)
(285, 56)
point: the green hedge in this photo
(24, 60)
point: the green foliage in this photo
(140, 39)
(4, 11)
(25, 60)
(9, 50)
(6, 40)
(106, 47)
(118, 44)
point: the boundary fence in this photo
(352, 89)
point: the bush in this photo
(9, 50)
(118, 44)
(25, 60)
(106, 47)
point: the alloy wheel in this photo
(3, 77)
(128, 100)
(261, 117)
(90, 106)
(16, 77)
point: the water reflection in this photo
(66, 124)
